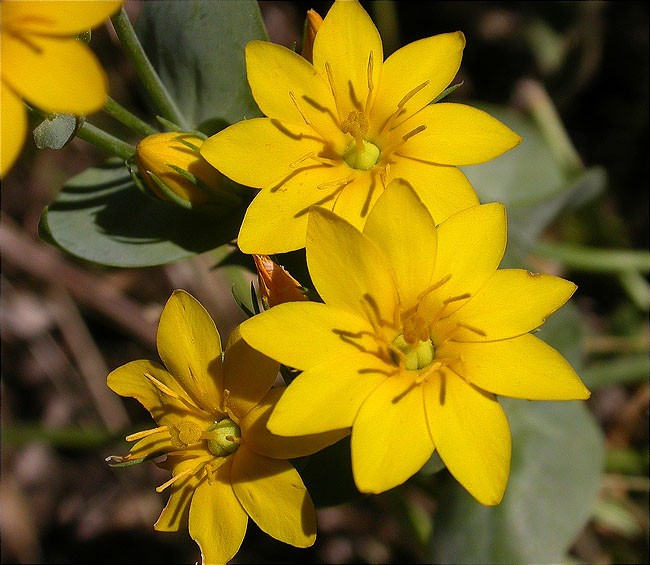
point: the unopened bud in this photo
(312, 23)
(276, 284)
(172, 167)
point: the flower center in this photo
(360, 154)
(417, 355)
(223, 437)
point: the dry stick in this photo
(47, 264)
(88, 359)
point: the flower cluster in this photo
(411, 331)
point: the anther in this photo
(413, 132)
(146, 433)
(295, 102)
(410, 94)
(185, 473)
(370, 82)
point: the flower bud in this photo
(312, 23)
(172, 167)
(276, 284)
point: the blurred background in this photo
(66, 324)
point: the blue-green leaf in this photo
(197, 47)
(100, 216)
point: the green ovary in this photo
(418, 355)
(222, 437)
(362, 159)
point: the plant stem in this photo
(595, 260)
(122, 115)
(107, 142)
(163, 102)
(534, 98)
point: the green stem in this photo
(595, 260)
(131, 121)
(537, 101)
(637, 288)
(163, 102)
(107, 142)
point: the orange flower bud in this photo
(312, 23)
(172, 167)
(276, 284)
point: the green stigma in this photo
(362, 159)
(223, 437)
(418, 355)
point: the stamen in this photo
(295, 103)
(185, 473)
(457, 298)
(434, 286)
(370, 83)
(146, 433)
(169, 392)
(447, 337)
(336, 183)
(471, 329)
(392, 148)
(410, 94)
(413, 132)
(400, 106)
(330, 80)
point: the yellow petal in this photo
(57, 75)
(190, 347)
(276, 220)
(511, 303)
(304, 334)
(471, 244)
(422, 69)
(14, 128)
(258, 438)
(274, 496)
(130, 380)
(217, 520)
(53, 17)
(344, 43)
(521, 367)
(455, 134)
(347, 269)
(472, 436)
(288, 88)
(271, 145)
(248, 375)
(443, 190)
(355, 201)
(176, 512)
(327, 396)
(411, 252)
(390, 437)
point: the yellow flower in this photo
(161, 156)
(45, 65)
(339, 130)
(419, 332)
(211, 417)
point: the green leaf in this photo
(56, 132)
(198, 50)
(557, 462)
(101, 217)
